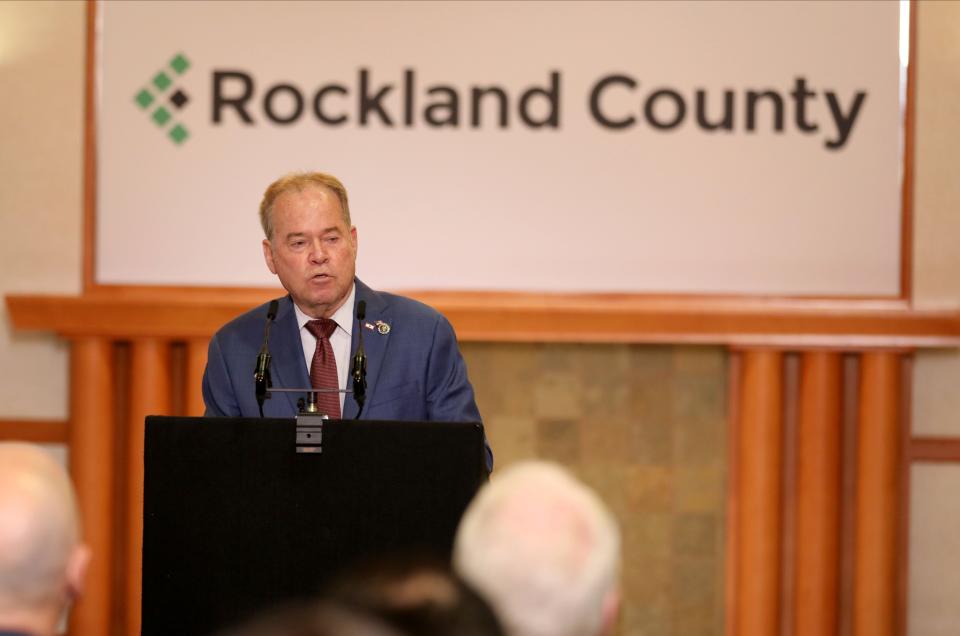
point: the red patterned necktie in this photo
(323, 369)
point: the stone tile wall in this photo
(646, 427)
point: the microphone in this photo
(358, 368)
(261, 373)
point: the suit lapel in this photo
(374, 344)
(288, 369)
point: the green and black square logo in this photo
(162, 100)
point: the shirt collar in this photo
(343, 316)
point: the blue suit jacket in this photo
(414, 372)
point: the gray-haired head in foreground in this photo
(544, 551)
(42, 563)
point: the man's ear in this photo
(268, 256)
(76, 574)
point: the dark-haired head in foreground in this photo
(387, 598)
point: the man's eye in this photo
(298, 244)
(332, 239)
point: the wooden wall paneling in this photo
(759, 447)
(905, 426)
(150, 394)
(877, 496)
(788, 489)
(196, 363)
(818, 488)
(734, 382)
(178, 379)
(848, 488)
(121, 409)
(91, 441)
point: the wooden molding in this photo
(181, 313)
(35, 431)
(90, 150)
(909, 160)
(934, 449)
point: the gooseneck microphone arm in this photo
(261, 373)
(358, 368)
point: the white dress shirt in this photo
(340, 339)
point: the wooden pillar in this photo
(91, 438)
(758, 497)
(877, 507)
(196, 363)
(149, 395)
(817, 536)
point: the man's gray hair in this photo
(544, 551)
(297, 182)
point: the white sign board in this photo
(546, 146)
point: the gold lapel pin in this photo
(383, 328)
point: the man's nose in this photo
(317, 252)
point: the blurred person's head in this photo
(385, 597)
(544, 551)
(322, 618)
(42, 562)
(418, 596)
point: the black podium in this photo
(235, 519)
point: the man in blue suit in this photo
(414, 367)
